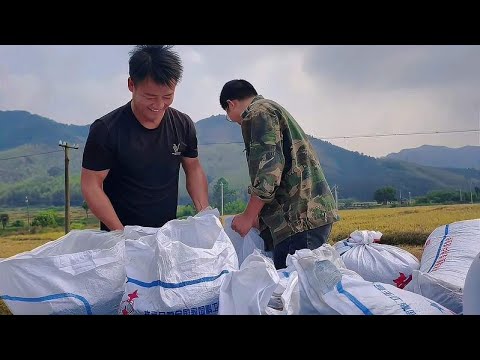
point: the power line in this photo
(320, 138)
(365, 136)
(21, 156)
(401, 134)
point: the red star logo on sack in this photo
(126, 307)
(402, 281)
(132, 296)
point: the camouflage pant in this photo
(310, 239)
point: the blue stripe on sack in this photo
(174, 285)
(353, 299)
(439, 248)
(88, 307)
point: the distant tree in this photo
(184, 211)
(4, 218)
(229, 195)
(58, 197)
(85, 207)
(421, 200)
(45, 218)
(384, 195)
(477, 191)
(234, 207)
(55, 171)
(18, 223)
(443, 196)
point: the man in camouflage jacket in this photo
(290, 200)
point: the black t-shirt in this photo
(144, 164)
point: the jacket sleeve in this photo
(266, 160)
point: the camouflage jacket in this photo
(285, 172)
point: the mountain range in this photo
(441, 156)
(356, 176)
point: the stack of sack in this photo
(81, 273)
(448, 253)
(314, 282)
(333, 289)
(196, 266)
(177, 269)
(373, 261)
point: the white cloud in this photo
(331, 90)
(20, 91)
(191, 56)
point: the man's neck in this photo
(148, 124)
(246, 103)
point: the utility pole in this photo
(336, 196)
(471, 196)
(28, 213)
(65, 146)
(221, 185)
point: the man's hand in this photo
(204, 209)
(243, 223)
(249, 218)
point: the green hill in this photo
(40, 177)
(20, 128)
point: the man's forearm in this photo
(197, 187)
(102, 208)
(254, 207)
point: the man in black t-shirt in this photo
(132, 156)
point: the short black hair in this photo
(236, 90)
(157, 62)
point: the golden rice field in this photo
(403, 225)
(21, 240)
(3, 309)
(406, 227)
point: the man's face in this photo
(150, 100)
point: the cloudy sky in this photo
(342, 91)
